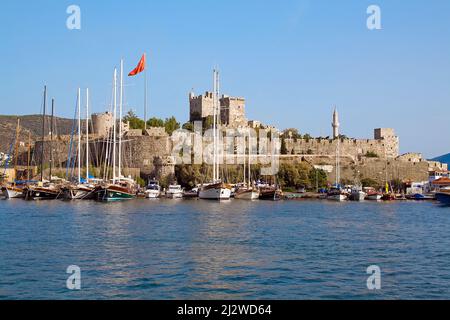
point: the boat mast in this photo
(120, 118)
(43, 132)
(29, 156)
(79, 135)
(16, 150)
(245, 181)
(214, 125)
(218, 124)
(87, 135)
(249, 161)
(114, 125)
(338, 165)
(51, 139)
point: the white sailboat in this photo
(216, 190)
(247, 192)
(81, 190)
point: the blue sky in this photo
(291, 60)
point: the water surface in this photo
(194, 249)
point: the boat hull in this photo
(41, 193)
(443, 197)
(247, 195)
(218, 193)
(114, 193)
(174, 195)
(152, 194)
(272, 195)
(358, 196)
(374, 197)
(337, 197)
(12, 192)
(78, 193)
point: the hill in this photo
(30, 124)
(444, 159)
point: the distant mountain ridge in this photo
(444, 159)
(29, 124)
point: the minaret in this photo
(335, 124)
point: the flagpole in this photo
(145, 92)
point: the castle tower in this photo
(335, 124)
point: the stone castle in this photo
(232, 109)
(148, 152)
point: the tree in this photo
(307, 137)
(155, 122)
(133, 120)
(283, 149)
(208, 122)
(292, 133)
(188, 126)
(368, 182)
(318, 178)
(171, 125)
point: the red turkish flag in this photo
(140, 67)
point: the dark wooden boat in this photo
(49, 192)
(388, 197)
(273, 194)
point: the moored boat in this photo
(153, 190)
(174, 192)
(388, 196)
(336, 194)
(191, 194)
(420, 196)
(79, 191)
(123, 189)
(246, 194)
(372, 194)
(270, 193)
(357, 194)
(443, 196)
(42, 191)
(12, 191)
(215, 191)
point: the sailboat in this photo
(119, 188)
(216, 190)
(246, 191)
(45, 190)
(13, 190)
(81, 189)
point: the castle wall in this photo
(232, 111)
(355, 148)
(200, 106)
(372, 168)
